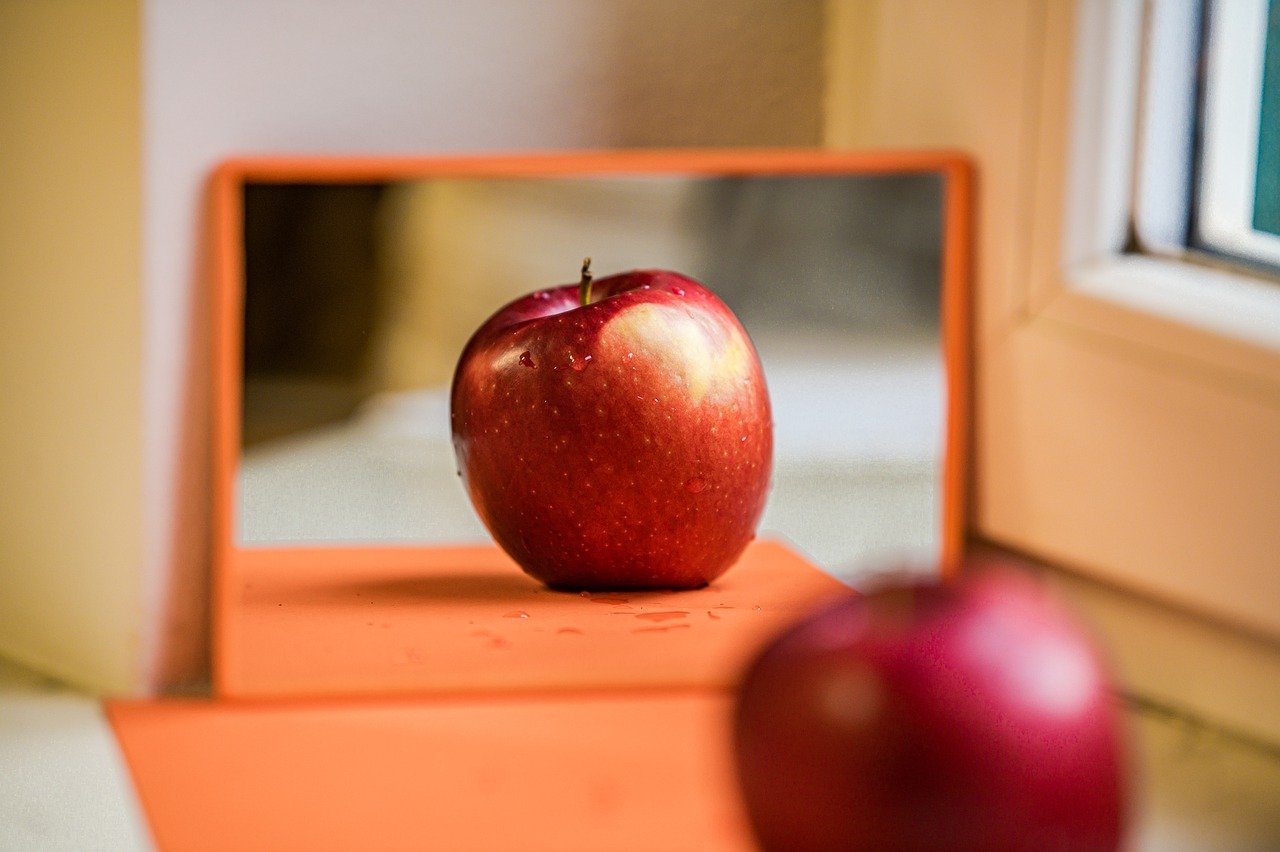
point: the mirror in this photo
(343, 291)
(359, 295)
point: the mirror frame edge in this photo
(226, 285)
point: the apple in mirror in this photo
(616, 433)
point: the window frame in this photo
(1225, 320)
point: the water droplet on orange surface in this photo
(665, 629)
(711, 615)
(570, 630)
(695, 485)
(660, 616)
(526, 360)
(519, 613)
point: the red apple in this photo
(967, 717)
(615, 435)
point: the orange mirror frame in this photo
(232, 643)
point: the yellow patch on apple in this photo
(707, 354)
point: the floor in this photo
(63, 785)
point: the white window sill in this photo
(1228, 304)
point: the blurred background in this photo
(1126, 404)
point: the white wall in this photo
(229, 77)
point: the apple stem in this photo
(584, 286)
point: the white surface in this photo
(63, 782)
(858, 436)
(1228, 303)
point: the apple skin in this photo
(623, 444)
(975, 716)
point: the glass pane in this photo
(1266, 201)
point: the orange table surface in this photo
(594, 772)
(458, 620)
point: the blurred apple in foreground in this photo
(615, 434)
(975, 716)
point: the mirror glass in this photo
(359, 298)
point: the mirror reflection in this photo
(359, 299)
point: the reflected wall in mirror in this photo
(360, 296)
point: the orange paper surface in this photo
(384, 621)
(618, 772)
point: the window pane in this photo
(1266, 202)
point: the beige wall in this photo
(70, 339)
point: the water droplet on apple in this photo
(679, 291)
(542, 295)
(580, 364)
(695, 485)
(743, 439)
(519, 613)
(526, 360)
